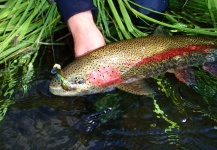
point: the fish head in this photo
(78, 80)
(73, 85)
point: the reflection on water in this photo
(177, 117)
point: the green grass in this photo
(23, 26)
(185, 17)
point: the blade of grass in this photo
(118, 20)
(102, 21)
(48, 19)
(209, 5)
(127, 20)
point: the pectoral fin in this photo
(211, 67)
(139, 87)
(185, 75)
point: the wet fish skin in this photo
(123, 64)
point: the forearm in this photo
(86, 35)
(79, 16)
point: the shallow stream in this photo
(177, 119)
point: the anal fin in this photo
(139, 87)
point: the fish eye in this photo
(80, 81)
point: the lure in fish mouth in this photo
(125, 64)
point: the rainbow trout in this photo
(125, 64)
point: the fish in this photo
(125, 64)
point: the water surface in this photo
(115, 120)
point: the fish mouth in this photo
(59, 91)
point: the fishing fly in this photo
(58, 71)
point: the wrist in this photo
(86, 35)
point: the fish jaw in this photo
(73, 89)
(72, 92)
(56, 88)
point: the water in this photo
(114, 120)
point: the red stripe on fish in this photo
(105, 76)
(184, 51)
